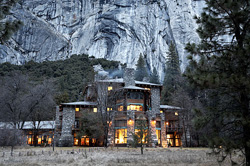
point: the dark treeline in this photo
(70, 76)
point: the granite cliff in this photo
(114, 29)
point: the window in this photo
(110, 88)
(120, 108)
(94, 109)
(77, 109)
(135, 107)
(161, 111)
(109, 109)
(158, 135)
(176, 113)
(121, 136)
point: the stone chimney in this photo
(129, 77)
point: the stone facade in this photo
(126, 108)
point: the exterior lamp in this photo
(167, 123)
(130, 120)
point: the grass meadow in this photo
(99, 156)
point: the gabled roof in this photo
(87, 103)
(169, 107)
(120, 80)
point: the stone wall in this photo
(67, 123)
(155, 109)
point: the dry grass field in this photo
(77, 156)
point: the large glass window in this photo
(135, 107)
(121, 136)
(158, 135)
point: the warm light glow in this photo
(158, 136)
(134, 107)
(39, 141)
(110, 88)
(75, 141)
(94, 109)
(161, 111)
(176, 113)
(50, 140)
(120, 108)
(109, 109)
(147, 88)
(77, 109)
(29, 141)
(121, 136)
(167, 123)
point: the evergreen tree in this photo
(154, 78)
(221, 68)
(141, 70)
(172, 74)
(7, 26)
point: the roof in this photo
(169, 107)
(81, 103)
(30, 125)
(41, 125)
(120, 80)
(134, 87)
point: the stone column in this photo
(67, 139)
(155, 109)
(128, 77)
(163, 131)
(57, 126)
(130, 125)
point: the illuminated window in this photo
(161, 111)
(147, 88)
(121, 136)
(50, 140)
(120, 108)
(135, 107)
(39, 141)
(29, 140)
(144, 135)
(110, 88)
(75, 141)
(176, 113)
(158, 135)
(109, 109)
(94, 109)
(77, 109)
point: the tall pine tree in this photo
(7, 26)
(141, 70)
(221, 68)
(172, 75)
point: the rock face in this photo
(114, 29)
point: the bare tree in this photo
(21, 100)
